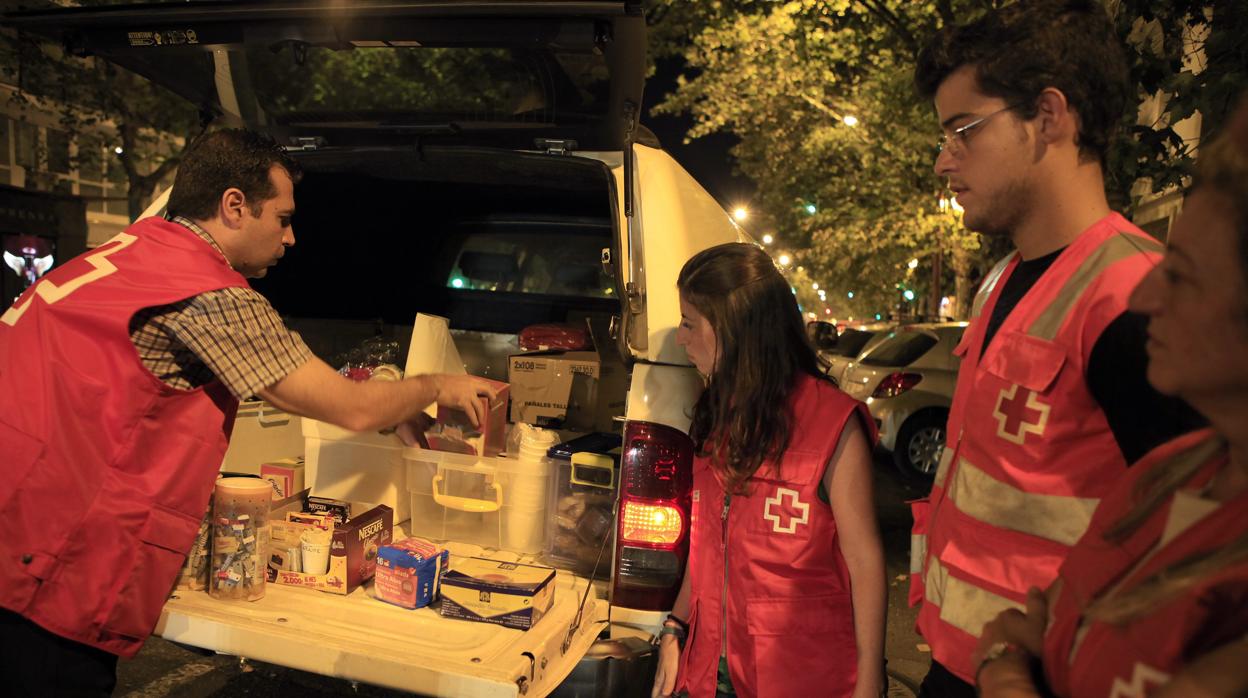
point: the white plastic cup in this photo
(525, 529)
(534, 442)
(314, 547)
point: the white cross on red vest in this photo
(782, 521)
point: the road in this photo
(165, 669)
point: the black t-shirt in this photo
(1140, 417)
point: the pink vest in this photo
(107, 470)
(1029, 453)
(768, 568)
(1136, 658)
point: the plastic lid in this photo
(244, 485)
(537, 437)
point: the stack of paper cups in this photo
(524, 520)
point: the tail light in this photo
(656, 475)
(895, 384)
(651, 522)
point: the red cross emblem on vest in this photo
(782, 521)
(1018, 415)
(1144, 678)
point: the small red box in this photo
(490, 439)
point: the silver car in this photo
(907, 381)
(852, 343)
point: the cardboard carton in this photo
(459, 436)
(510, 594)
(574, 390)
(352, 554)
(409, 572)
(285, 475)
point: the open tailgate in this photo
(360, 638)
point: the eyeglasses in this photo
(955, 141)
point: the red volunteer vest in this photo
(1029, 453)
(1140, 656)
(106, 470)
(769, 568)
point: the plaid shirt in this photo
(233, 334)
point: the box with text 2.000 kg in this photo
(505, 593)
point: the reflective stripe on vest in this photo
(918, 552)
(990, 282)
(1113, 250)
(968, 607)
(942, 471)
(1061, 519)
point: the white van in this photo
(481, 161)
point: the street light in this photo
(740, 213)
(812, 209)
(784, 260)
(815, 286)
(947, 203)
(850, 120)
(850, 294)
(768, 239)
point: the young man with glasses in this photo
(1052, 403)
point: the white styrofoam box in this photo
(262, 434)
(358, 467)
(496, 503)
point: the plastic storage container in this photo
(583, 494)
(498, 502)
(240, 536)
(262, 434)
(365, 468)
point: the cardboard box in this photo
(339, 510)
(285, 475)
(457, 434)
(409, 572)
(574, 390)
(352, 553)
(504, 593)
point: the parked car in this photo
(852, 343)
(482, 162)
(907, 381)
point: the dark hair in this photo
(1023, 48)
(744, 417)
(223, 159)
(1223, 167)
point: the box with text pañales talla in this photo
(577, 390)
(509, 594)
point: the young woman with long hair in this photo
(784, 590)
(1153, 600)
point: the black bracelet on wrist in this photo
(683, 625)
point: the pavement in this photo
(163, 668)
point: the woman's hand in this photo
(665, 673)
(1013, 627)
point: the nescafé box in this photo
(352, 552)
(509, 594)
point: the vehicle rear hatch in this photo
(486, 73)
(475, 76)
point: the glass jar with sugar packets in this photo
(240, 536)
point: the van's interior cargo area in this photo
(492, 240)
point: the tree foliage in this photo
(784, 76)
(92, 99)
